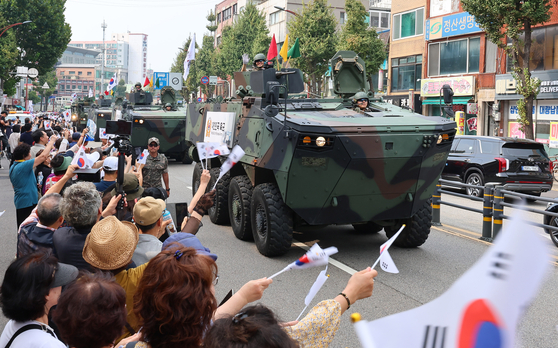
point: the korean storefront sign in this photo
(461, 85)
(506, 86)
(453, 25)
(553, 136)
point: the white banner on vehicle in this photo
(219, 127)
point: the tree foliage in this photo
(8, 55)
(248, 34)
(514, 19)
(43, 41)
(357, 36)
(206, 63)
(120, 89)
(192, 83)
(316, 29)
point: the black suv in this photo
(476, 160)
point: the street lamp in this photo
(12, 25)
(284, 9)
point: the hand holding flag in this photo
(314, 257)
(142, 159)
(386, 260)
(235, 156)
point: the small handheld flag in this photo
(142, 159)
(386, 261)
(314, 257)
(80, 159)
(235, 156)
(320, 281)
(103, 133)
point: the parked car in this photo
(477, 160)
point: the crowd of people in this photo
(89, 274)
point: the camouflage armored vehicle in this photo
(155, 121)
(100, 113)
(318, 161)
(80, 112)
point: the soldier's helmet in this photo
(138, 84)
(259, 56)
(360, 95)
(168, 105)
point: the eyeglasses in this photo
(153, 145)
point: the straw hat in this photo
(111, 244)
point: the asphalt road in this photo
(425, 272)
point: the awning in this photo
(456, 100)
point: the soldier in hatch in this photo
(259, 61)
(137, 89)
(168, 107)
(361, 102)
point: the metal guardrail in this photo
(493, 203)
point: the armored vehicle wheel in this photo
(186, 159)
(219, 213)
(272, 221)
(196, 176)
(240, 196)
(369, 227)
(417, 230)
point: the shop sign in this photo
(472, 124)
(472, 108)
(457, 24)
(514, 130)
(506, 86)
(553, 136)
(461, 85)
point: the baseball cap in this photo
(190, 241)
(148, 210)
(89, 138)
(153, 140)
(63, 275)
(76, 136)
(131, 187)
(110, 163)
(65, 164)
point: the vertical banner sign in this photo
(553, 137)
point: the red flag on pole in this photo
(146, 83)
(272, 52)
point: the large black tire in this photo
(196, 176)
(272, 221)
(240, 197)
(475, 178)
(369, 227)
(219, 213)
(417, 230)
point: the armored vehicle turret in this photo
(80, 112)
(320, 161)
(155, 121)
(100, 113)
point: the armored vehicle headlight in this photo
(440, 138)
(140, 121)
(320, 141)
(307, 140)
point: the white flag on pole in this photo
(314, 257)
(235, 156)
(90, 93)
(482, 308)
(190, 56)
(386, 262)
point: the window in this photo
(72, 72)
(227, 13)
(218, 40)
(62, 87)
(73, 86)
(89, 73)
(544, 49)
(79, 86)
(62, 73)
(274, 18)
(454, 57)
(80, 73)
(379, 19)
(465, 146)
(234, 9)
(406, 73)
(219, 17)
(342, 17)
(408, 24)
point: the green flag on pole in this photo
(294, 52)
(157, 83)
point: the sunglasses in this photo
(153, 145)
(362, 100)
(259, 61)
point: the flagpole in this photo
(281, 271)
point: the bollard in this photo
(498, 211)
(487, 213)
(436, 198)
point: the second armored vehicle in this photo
(318, 161)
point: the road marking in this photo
(332, 261)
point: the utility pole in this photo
(104, 26)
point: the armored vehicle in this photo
(80, 112)
(100, 113)
(318, 161)
(155, 121)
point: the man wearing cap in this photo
(75, 138)
(148, 215)
(110, 168)
(40, 138)
(156, 166)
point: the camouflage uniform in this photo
(153, 170)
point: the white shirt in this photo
(13, 141)
(33, 338)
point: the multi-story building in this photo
(137, 55)
(225, 13)
(117, 54)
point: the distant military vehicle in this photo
(80, 112)
(100, 113)
(155, 121)
(318, 161)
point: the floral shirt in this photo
(319, 326)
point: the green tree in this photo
(35, 98)
(315, 27)
(120, 89)
(514, 19)
(205, 63)
(41, 42)
(249, 34)
(8, 55)
(357, 36)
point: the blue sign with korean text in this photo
(453, 25)
(163, 79)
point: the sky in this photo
(168, 23)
